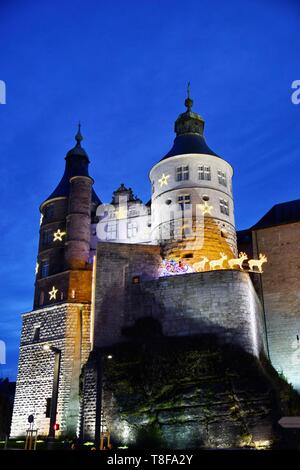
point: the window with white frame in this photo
(224, 207)
(204, 173)
(111, 230)
(132, 229)
(183, 200)
(222, 178)
(182, 173)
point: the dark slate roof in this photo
(284, 213)
(77, 163)
(189, 128)
(189, 143)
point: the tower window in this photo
(182, 173)
(224, 207)
(111, 229)
(183, 200)
(222, 178)
(48, 407)
(45, 268)
(36, 333)
(204, 173)
(132, 229)
(42, 298)
(47, 237)
(49, 211)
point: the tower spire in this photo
(78, 136)
(188, 102)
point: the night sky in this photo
(121, 68)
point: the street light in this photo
(99, 428)
(53, 408)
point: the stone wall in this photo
(280, 286)
(67, 327)
(219, 302)
(117, 266)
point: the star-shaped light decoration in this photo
(206, 208)
(37, 268)
(163, 181)
(58, 235)
(52, 293)
(41, 219)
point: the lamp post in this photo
(53, 408)
(99, 429)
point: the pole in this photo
(99, 403)
(53, 409)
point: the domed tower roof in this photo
(189, 128)
(77, 162)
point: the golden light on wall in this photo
(41, 219)
(37, 267)
(58, 235)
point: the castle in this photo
(175, 262)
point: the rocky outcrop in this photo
(192, 393)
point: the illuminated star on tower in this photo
(163, 181)
(58, 235)
(53, 293)
(206, 208)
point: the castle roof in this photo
(284, 213)
(77, 162)
(189, 127)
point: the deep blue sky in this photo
(121, 67)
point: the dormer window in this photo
(182, 173)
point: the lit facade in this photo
(98, 274)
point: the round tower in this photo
(65, 246)
(192, 203)
(78, 230)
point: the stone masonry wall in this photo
(67, 327)
(222, 302)
(280, 284)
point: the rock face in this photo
(191, 393)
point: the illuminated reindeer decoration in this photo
(218, 263)
(200, 266)
(258, 263)
(238, 261)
